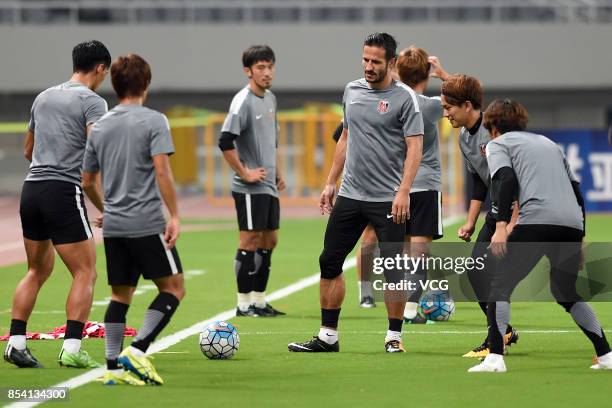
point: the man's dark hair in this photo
(506, 115)
(384, 41)
(130, 76)
(87, 55)
(256, 53)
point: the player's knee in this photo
(330, 267)
(270, 243)
(179, 292)
(250, 242)
(39, 275)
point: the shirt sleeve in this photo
(434, 108)
(344, 96)
(161, 139)
(90, 159)
(497, 157)
(411, 118)
(32, 122)
(95, 107)
(570, 174)
(236, 120)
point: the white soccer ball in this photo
(219, 340)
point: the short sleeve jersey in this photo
(121, 146)
(429, 175)
(252, 119)
(59, 119)
(546, 195)
(378, 121)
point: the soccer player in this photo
(249, 140)
(415, 67)
(53, 213)
(380, 151)
(462, 101)
(130, 147)
(364, 255)
(551, 222)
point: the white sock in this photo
(244, 301)
(606, 358)
(393, 335)
(136, 352)
(72, 345)
(118, 371)
(365, 289)
(258, 299)
(330, 336)
(18, 341)
(493, 358)
(410, 311)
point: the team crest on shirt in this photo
(483, 149)
(383, 107)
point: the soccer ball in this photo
(219, 340)
(437, 306)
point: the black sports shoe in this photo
(250, 312)
(316, 345)
(367, 302)
(418, 319)
(511, 338)
(273, 311)
(21, 358)
(263, 311)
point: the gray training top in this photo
(122, 145)
(59, 119)
(429, 175)
(253, 120)
(473, 150)
(378, 121)
(546, 195)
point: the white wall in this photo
(207, 58)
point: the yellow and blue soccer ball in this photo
(437, 306)
(219, 340)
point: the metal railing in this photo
(303, 12)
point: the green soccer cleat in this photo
(125, 378)
(141, 366)
(81, 359)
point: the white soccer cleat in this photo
(603, 363)
(493, 363)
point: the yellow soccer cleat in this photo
(478, 352)
(141, 366)
(125, 378)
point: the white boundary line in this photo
(177, 337)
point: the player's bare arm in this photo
(248, 175)
(29, 145)
(466, 230)
(92, 187)
(280, 181)
(326, 201)
(436, 69)
(165, 181)
(401, 204)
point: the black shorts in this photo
(425, 214)
(561, 245)
(346, 223)
(128, 258)
(257, 212)
(55, 210)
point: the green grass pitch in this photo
(545, 369)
